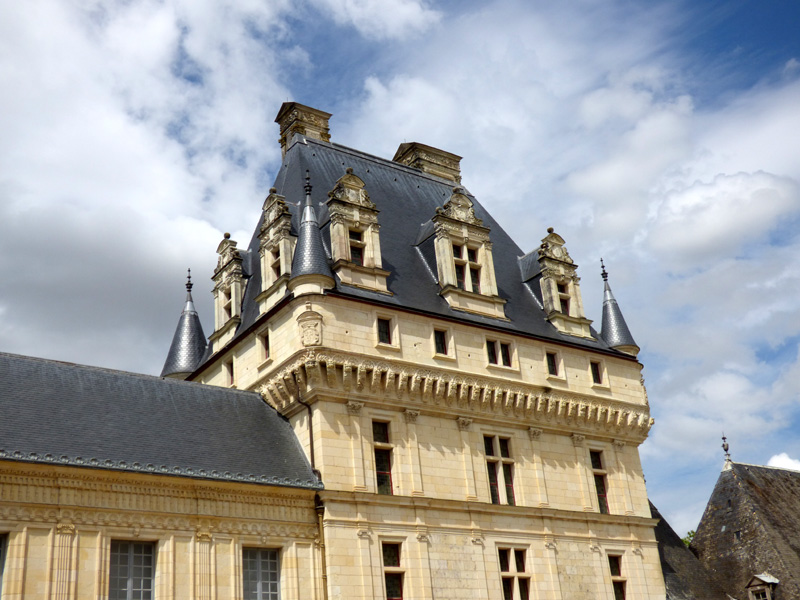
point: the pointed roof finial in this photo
(726, 447)
(189, 283)
(604, 273)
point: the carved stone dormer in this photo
(355, 239)
(296, 119)
(227, 292)
(561, 292)
(276, 247)
(464, 258)
(430, 160)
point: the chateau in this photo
(396, 401)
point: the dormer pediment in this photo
(349, 189)
(459, 208)
(553, 248)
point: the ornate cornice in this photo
(404, 383)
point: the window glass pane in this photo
(384, 331)
(597, 459)
(552, 366)
(508, 588)
(619, 590)
(519, 559)
(600, 484)
(260, 575)
(472, 255)
(3, 547)
(383, 471)
(614, 566)
(357, 254)
(355, 235)
(475, 279)
(440, 341)
(505, 354)
(460, 276)
(493, 492)
(488, 445)
(504, 451)
(131, 571)
(596, 374)
(502, 555)
(524, 588)
(564, 305)
(391, 555)
(457, 251)
(394, 586)
(491, 351)
(380, 432)
(508, 475)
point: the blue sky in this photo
(661, 136)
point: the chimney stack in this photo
(430, 160)
(297, 119)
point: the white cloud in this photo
(784, 461)
(382, 19)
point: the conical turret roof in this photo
(309, 255)
(188, 343)
(614, 330)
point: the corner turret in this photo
(614, 330)
(188, 343)
(311, 272)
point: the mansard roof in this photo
(74, 415)
(407, 199)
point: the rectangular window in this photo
(617, 580)
(472, 255)
(131, 570)
(564, 302)
(597, 373)
(227, 368)
(392, 572)
(260, 574)
(511, 572)
(263, 341)
(467, 268)
(499, 469)
(460, 279)
(498, 350)
(356, 247)
(475, 279)
(383, 457)
(552, 363)
(440, 341)
(276, 262)
(384, 331)
(599, 472)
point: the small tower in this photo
(188, 343)
(614, 330)
(311, 273)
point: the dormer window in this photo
(276, 248)
(227, 292)
(277, 271)
(225, 299)
(355, 235)
(464, 258)
(563, 297)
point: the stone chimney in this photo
(430, 160)
(297, 119)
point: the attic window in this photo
(356, 247)
(467, 268)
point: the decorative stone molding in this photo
(65, 529)
(463, 423)
(203, 536)
(341, 372)
(310, 325)
(363, 533)
(410, 415)
(535, 434)
(550, 544)
(619, 444)
(422, 536)
(353, 407)
(578, 439)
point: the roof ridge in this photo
(765, 467)
(111, 371)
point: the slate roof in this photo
(762, 504)
(67, 414)
(614, 329)
(684, 576)
(406, 199)
(310, 257)
(188, 343)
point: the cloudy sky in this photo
(662, 136)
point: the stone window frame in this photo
(599, 469)
(396, 571)
(394, 331)
(560, 374)
(512, 572)
(603, 372)
(384, 448)
(261, 594)
(498, 343)
(449, 340)
(229, 372)
(502, 465)
(618, 580)
(128, 555)
(263, 347)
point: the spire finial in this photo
(189, 283)
(726, 447)
(604, 274)
(307, 187)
